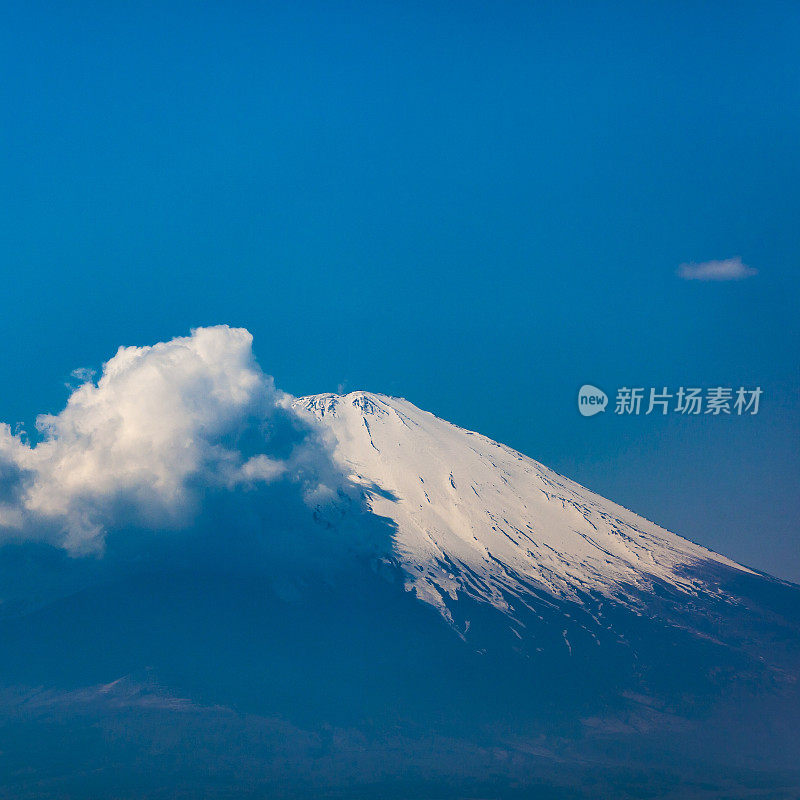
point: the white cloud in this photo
(83, 374)
(162, 428)
(729, 269)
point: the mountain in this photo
(490, 537)
(452, 620)
(477, 518)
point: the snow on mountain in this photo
(475, 517)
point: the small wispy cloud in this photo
(83, 374)
(729, 269)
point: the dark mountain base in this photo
(209, 683)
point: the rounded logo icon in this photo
(591, 400)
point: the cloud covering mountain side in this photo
(173, 437)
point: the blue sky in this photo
(479, 207)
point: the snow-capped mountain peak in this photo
(475, 517)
